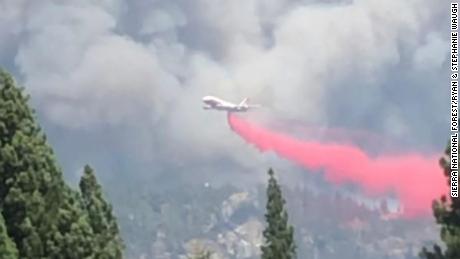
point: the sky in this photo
(118, 84)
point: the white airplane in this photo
(214, 103)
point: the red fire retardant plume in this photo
(417, 180)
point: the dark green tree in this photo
(7, 246)
(447, 214)
(103, 223)
(278, 234)
(43, 216)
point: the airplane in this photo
(214, 103)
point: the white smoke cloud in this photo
(432, 54)
(147, 64)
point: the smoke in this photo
(120, 82)
(416, 179)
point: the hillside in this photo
(167, 224)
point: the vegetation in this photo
(43, 216)
(203, 255)
(200, 252)
(279, 236)
(8, 249)
(107, 240)
(447, 214)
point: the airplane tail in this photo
(244, 102)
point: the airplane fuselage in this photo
(214, 103)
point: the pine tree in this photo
(7, 246)
(447, 214)
(43, 216)
(279, 235)
(103, 223)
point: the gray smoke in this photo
(123, 80)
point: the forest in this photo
(42, 216)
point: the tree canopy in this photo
(8, 248)
(278, 234)
(103, 223)
(42, 215)
(447, 214)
